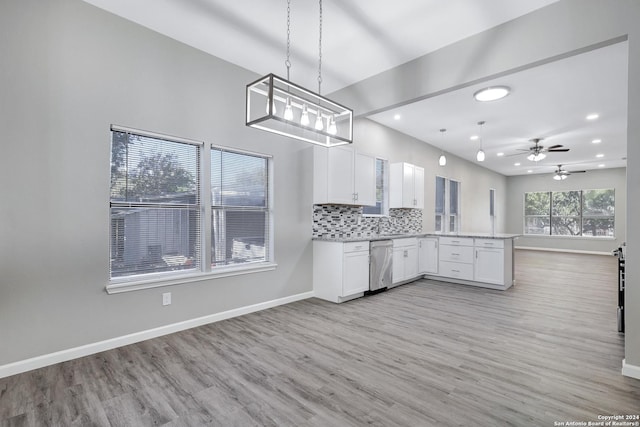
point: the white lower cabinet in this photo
(428, 255)
(405, 260)
(456, 258)
(486, 262)
(340, 270)
(489, 261)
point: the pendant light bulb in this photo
(480, 154)
(304, 119)
(288, 111)
(273, 104)
(332, 128)
(319, 125)
(442, 161)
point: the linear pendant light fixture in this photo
(279, 106)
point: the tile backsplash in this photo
(342, 221)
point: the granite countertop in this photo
(400, 236)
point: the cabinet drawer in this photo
(356, 246)
(456, 253)
(456, 241)
(490, 243)
(456, 270)
(401, 243)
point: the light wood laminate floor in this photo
(423, 354)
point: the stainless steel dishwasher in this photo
(381, 252)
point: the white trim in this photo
(571, 251)
(116, 286)
(156, 135)
(632, 371)
(88, 349)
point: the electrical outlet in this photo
(166, 298)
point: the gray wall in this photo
(68, 71)
(372, 138)
(593, 179)
(560, 29)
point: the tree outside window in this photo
(570, 213)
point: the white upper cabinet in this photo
(406, 186)
(343, 176)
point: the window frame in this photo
(580, 217)
(445, 215)
(384, 202)
(204, 271)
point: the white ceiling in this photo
(548, 101)
(364, 38)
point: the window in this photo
(492, 209)
(381, 207)
(155, 205)
(570, 213)
(239, 208)
(454, 203)
(447, 216)
(161, 228)
(440, 191)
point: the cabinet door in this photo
(418, 179)
(356, 273)
(340, 176)
(398, 265)
(408, 199)
(428, 256)
(411, 263)
(365, 179)
(489, 266)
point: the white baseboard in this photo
(88, 349)
(570, 251)
(632, 371)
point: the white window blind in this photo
(155, 204)
(240, 213)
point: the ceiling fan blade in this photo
(577, 171)
(558, 150)
(517, 154)
(554, 146)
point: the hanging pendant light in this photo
(284, 100)
(442, 161)
(480, 154)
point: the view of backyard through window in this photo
(570, 213)
(157, 214)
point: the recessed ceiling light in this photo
(492, 93)
(474, 137)
(596, 141)
(500, 154)
(592, 116)
(599, 155)
(601, 165)
(516, 164)
(529, 171)
(397, 117)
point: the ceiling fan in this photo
(537, 151)
(562, 174)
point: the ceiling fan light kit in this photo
(492, 93)
(562, 174)
(292, 109)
